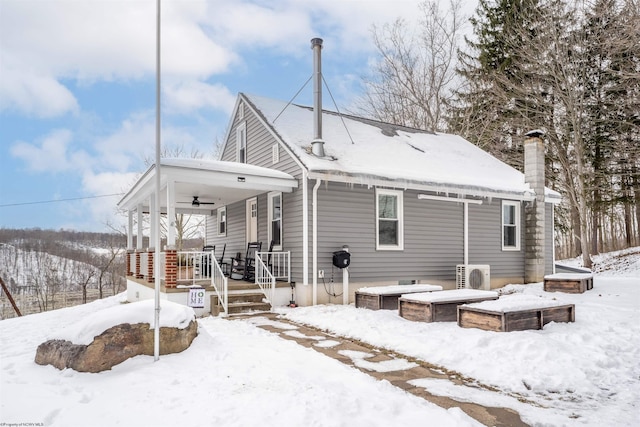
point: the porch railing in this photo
(272, 266)
(278, 264)
(202, 268)
(265, 279)
(220, 284)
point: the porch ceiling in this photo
(219, 182)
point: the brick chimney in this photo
(534, 240)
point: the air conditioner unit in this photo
(473, 276)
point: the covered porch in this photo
(196, 186)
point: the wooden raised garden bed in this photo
(386, 297)
(514, 313)
(440, 306)
(573, 283)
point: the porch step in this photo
(247, 307)
(242, 303)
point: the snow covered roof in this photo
(368, 152)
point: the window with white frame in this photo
(275, 219)
(241, 111)
(222, 221)
(241, 143)
(510, 225)
(389, 220)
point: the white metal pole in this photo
(345, 281)
(156, 330)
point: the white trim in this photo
(400, 218)
(270, 219)
(449, 199)
(241, 142)
(221, 210)
(248, 220)
(517, 225)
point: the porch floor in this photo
(234, 285)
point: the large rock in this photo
(114, 346)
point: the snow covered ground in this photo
(237, 374)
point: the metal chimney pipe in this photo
(317, 145)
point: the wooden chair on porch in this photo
(246, 268)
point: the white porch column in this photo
(171, 214)
(139, 218)
(130, 230)
(152, 220)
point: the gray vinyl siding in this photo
(485, 240)
(548, 244)
(433, 236)
(260, 144)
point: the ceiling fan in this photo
(196, 202)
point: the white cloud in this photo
(33, 92)
(102, 210)
(50, 154)
(91, 41)
(187, 96)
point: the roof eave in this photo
(436, 187)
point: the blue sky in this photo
(77, 87)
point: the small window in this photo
(389, 220)
(222, 221)
(275, 220)
(275, 154)
(241, 143)
(510, 226)
(241, 111)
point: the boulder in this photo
(114, 346)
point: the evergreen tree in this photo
(488, 112)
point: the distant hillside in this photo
(47, 269)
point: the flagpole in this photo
(158, 242)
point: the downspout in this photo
(315, 241)
(305, 228)
(466, 233)
(553, 239)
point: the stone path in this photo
(393, 367)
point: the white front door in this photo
(252, 220)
